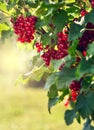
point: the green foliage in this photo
(86, 83)
(52, 102)
(90, 49)
(6, 34)
(90, 17)
(59, 19)
(46, 39)
(52, 93)
(85, 104)
(3, 26)
(87, 125)
(53, 97)
(56, 64)
(65, 77)
(50, 81)
(72, 48)
(85, 67)
(75, 31)
(69, 116)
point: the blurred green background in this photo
(25, 108)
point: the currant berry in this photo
(83, 12)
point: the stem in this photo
(4, 12)
(41, 31)
(89, 29)
(78, 54)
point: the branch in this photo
(4, 12)
(89, 29)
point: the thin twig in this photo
(4, 12)
(89, 29)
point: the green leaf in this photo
(85, 67)
(72, 9)
(86, 82)
(50, 81)
(47, 16)
(65, 92)
(65, 77)
(92, 115)
(49, 12)
(22, 80)
(12, 3)
(85, 104)
(75, 31)
(87, 125)
(6, 34)
(90, 49)
(52, 102)
(46, 39)
(90, 17)
(91, 128)
(52, 93)
(3, 26)
(69, 116)
(46, 1)
(78, 118)
(56, 64)
(41, 10)
(39, 23)
(72, 48)
(61, 85)
(32, 4)
(36, 73)
(3, 6)
(59, 19)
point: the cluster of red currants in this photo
(52, 51)
(75, 87)
(24, 27)
(87, 37)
